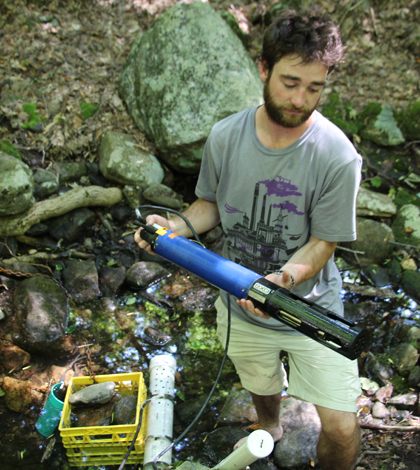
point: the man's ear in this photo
(263, 70)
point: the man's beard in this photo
(275, 111)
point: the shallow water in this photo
(115, 330)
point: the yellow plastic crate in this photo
(105, 445)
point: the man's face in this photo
(292, 90)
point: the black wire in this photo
(133, 442)
(177, 213)
(179, 439)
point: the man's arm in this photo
(203, 216)
(303, 265)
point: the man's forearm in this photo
(310, 259)
(203, 216)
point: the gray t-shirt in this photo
(272, 200)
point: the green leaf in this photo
(71, 329)
(385, 122)
(180, 395)
(89, 109)
(111, 262)
(131, 301)
(376, 182)
(2, 393)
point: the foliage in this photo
(409, 121)
(342, 115)
(401, 197)
(385, 122)
(380, 126)
(34, 118)
(89, 109)
(7, 147)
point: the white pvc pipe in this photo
(160, 412)
(258, 445)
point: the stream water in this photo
(124, 333)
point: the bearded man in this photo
(282, 180)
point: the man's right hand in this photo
(150, 219)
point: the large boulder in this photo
(182, 76)
(16, 185)
(406, 226)
(372, 245)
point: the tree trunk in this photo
(49, 208)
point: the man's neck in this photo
(275, 136)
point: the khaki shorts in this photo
(317, 374)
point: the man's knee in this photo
(339, 426)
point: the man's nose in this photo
(298, 99)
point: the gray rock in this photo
(41, 309)
(414, 377)
(161, 195)
(199, 298)
(404, 401)
(302, 427)
(125, 410)
(373, 240)
(406, 226)
(81, 280)
(16, 185)
(409, 333)
(70, 171)
(72, 226)
(182, 76)
(144, 273)
(411, 284)
(380, 371)
(404, 358)
(371, 204)
(111, 279)
(121, 161)
(96, 394)
(377, 275)
(238, 409)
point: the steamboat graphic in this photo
(260, 243)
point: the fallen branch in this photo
(31, 259)
(404, 245)
(384, 427)
(50, 208)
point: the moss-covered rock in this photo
(182, 76)
(411, 284)
(380, 125)
(406, 226)
(409, 121)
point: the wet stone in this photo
(93, 394)
(92, 416)
(156, 337)
(125, 410)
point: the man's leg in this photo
(339, 441)
(268, 411)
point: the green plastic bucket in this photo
(51, 413)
